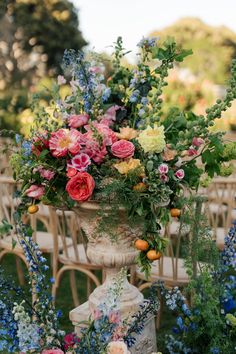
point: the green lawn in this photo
(65, 303)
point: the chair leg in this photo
(159, 313)
(73, 288)
(20, 272)
(89, 286)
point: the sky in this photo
(102, 21)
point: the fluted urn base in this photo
(112, 248)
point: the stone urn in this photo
(111, 239)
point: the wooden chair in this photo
(7, 209)
(171, 267)
(220, 207)
(72, 257)
(39, 223)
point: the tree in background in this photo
(33, 37)
(214, 47)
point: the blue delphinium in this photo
(147, 42)
(27, 148)
(203, 327)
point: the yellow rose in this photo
(125, 166)
(152, 139)
(127, 133)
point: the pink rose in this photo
(163, 168)
(77, 121)
(197, 141)
(52, 351)
(71, 172)
(47, 174)
(192, 152)
(35, 191)
(80, 162)
(179, 174)
(114, 317)
(123, 149)
(164, 178)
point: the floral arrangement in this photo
(35, 328)
(110, 141)
(206, 324)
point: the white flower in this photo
(118, 347)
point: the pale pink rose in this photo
(163, 168)
(197, 141)
(63, 141)
(52, 351)
(192, 152)
(35, 191)
(61, 80)
(114, 317)
(179, 174)
(78, 120)
(80, 162)
(123, 149)
(118, 347)
(164, 178)
(47, 174)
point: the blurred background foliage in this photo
(33, 37)
(35, 33)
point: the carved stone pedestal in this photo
(145, 342)
(112, 248)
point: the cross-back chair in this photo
(220, 207)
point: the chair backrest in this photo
(5, 168)
(171, 267)
(221, 203)
(64, 226)
(8, 203)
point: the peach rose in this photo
(125, 166)
(80, 187)
(52, 351)
(123, 149)
(127, 133)
(118, 347)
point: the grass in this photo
(65, 302)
